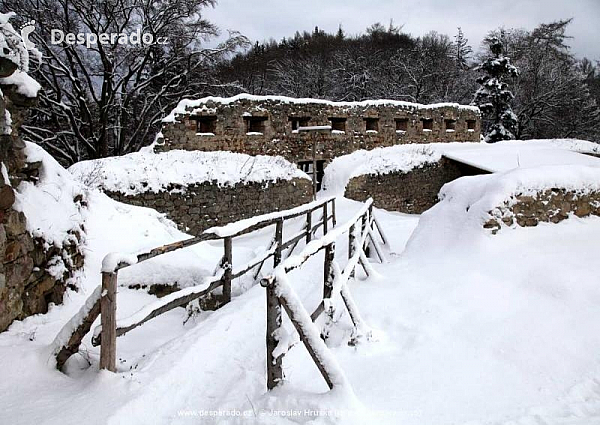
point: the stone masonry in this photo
(268, 126)
(197, 207)
(410, 192)
(549, 206)
(26, 286)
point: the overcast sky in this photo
(263, 19)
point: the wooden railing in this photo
(361, 231)
(103, 301)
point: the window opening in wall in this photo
(471, 125)
(307, 167)
(401, 124)
(450, 124)
(427, 124)
(338, 124)
(372, 124)
(299, 122)
(255, 124)
(206, 124)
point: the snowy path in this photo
(504, 330)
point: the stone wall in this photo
(549, 206)
(409, 192)
(266, 127)
(197, 207)
(26, 285)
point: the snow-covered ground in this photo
(469, 328)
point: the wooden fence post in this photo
(278, 242)
(227, 266)
(333, 212)
(325, 218)
(308, 226)
(328, 270)
(108, 317)
(274, 365)
(351, 245)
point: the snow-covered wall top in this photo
(496, 157)
(149, 172)
(50, 205)
(402, 158)
(17, 50)
(187, 106)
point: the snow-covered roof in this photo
(504, 156)
(187, 105)
(152, 172)
(496, 157)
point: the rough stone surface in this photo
(26, 285)
(549, 206)
(409, 192)
(197, 207)
(231, 131)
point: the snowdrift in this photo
(152, 172)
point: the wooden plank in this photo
(274, 364)
(108, 315)
(227, 268)
(72, 345)
(296, 322)
(179, 302)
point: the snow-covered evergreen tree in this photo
(494, 96)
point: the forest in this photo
(108, 100)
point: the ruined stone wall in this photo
(26, 285)
(227, 126)
(200, 206)
(409, 192)
(549, 206)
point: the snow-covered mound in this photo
(149, 172)
(54, 204)
(501, 156)
(465, 204)
(401, 158)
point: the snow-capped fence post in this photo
(274, 363)
(227, 268)
(108, 317)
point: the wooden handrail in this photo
(224, 274)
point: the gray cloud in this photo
(277, 18)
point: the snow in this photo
(377, 161)
(114, 259)
(471, 328)
(506, 155)
(26, 85)
(238, 226)
(500, 156)
(49, 204)
(154, 172)
(187, 106)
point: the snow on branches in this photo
(494, 97)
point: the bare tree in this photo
(106, 99)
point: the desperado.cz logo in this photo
(91, 39)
